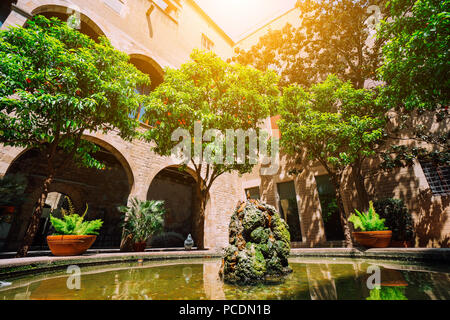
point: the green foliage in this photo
(143, 219)
(416, 57)
(329, 206)
(387, 293)
(332, 39)
(56, 84)
(12, 188)
(397, 218)
(367, 221)
(74, 224)
(416, 36)
(220, 95)
(331, 122)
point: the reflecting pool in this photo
(314, 279)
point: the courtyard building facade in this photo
(162, 33)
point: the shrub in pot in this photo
(142, 220)
(397, 219)
(373, 232)
(73, 236)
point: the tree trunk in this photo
(335, 180)
(199, 218)
(344, 220)
(35, 218)
(363, 196)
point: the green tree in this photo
(335, 37)
(336, 125)
(57, 84)
(415, 71)
(217, 95)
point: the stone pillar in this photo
(17, 17)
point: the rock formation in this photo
(259, 245)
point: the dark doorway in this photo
(289, 209)
(176, 188)
(330, 211)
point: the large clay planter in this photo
(139, 246)
(373, 239)
(70, 245)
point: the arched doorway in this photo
(102, 190)
(176, 188)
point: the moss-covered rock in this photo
(259, 244)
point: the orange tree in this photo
(335, 37)
(335, 125)
(57, 84)
(209, 94)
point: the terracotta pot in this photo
(401, 244)
(70, 245)
(373, 239)
(139, 246)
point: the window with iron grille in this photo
(438, 177)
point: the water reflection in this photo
(197, 280)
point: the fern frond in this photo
(74, 224)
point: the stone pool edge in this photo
(20, 266)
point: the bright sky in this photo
(237, 17)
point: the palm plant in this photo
(367, 221)
(143, 219)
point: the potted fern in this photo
(142, 220)
(73, 236)
(373, 232)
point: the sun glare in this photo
(237, 17)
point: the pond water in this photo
(315, 279)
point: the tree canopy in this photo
(56, 85)
(219, 96)
(415, 73)
(334, 37)
(203, 99)
(335, 125)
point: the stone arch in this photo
(103, 190)
(177, 189)
(118, 154)
(148, 65)
(60, 9)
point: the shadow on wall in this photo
(309, 210)
(433, 216)
(429, 212)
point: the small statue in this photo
(188, 243)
